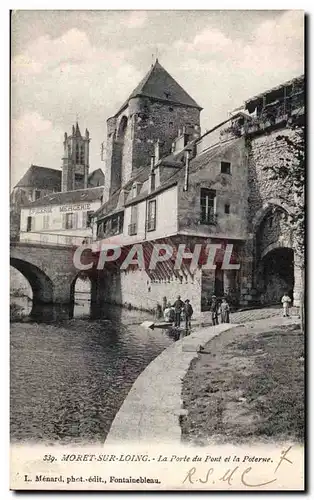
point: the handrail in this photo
(33, 237)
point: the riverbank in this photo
(247, 385)
(151, 411)
(157, 409)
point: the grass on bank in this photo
(248, 387)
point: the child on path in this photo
(285, 303)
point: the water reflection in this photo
(69, 376)
(47, 313)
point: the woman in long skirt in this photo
(225, 311)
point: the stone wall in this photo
(205, 172)
(147, 121)
(49, 270)
(264, 151)
(268, 225)
(273, 230)
(157, 120)
(136, 289)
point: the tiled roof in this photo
(94, 172)
(38, 177)
(79, 195)
(41, 178)
(209, 154)
(160, 85)
(196, 163)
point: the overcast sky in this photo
(85, 63)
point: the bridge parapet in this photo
(32, 237)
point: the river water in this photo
(69, 377)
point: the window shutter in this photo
(64, 221)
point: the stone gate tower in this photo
(75, 165)
(155, 111)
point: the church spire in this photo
(77, 130)
(75, 168)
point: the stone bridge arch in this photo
(40, 283)
(49, 270)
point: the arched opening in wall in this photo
(81, 291)
(21, 295)
(41, 286)
(277, 275)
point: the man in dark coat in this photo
(188, 311)
(178, 306)
(214, 306)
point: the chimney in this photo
(157, 150)
(152, 163)
(187, 164)
(152, 175)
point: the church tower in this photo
(75, 165)
(157, 109)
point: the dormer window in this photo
(167, 94)
(136, 189)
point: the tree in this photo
(291, 171)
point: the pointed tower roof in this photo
(159, 84)
(77, 130)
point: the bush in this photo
(15, 312)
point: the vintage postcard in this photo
(157, 250)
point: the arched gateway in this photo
(276, 271)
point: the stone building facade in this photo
(171, 185)
(60, 218)
(155, 111)
(55, 206)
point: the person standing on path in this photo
(178, 306)
(285, 303)
(169, 313)
(225, 311)
(214, 306)
(188, 311)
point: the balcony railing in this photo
(132, 229)
(210, 220)
(278, 111)
(151, 224)
(54, 239)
